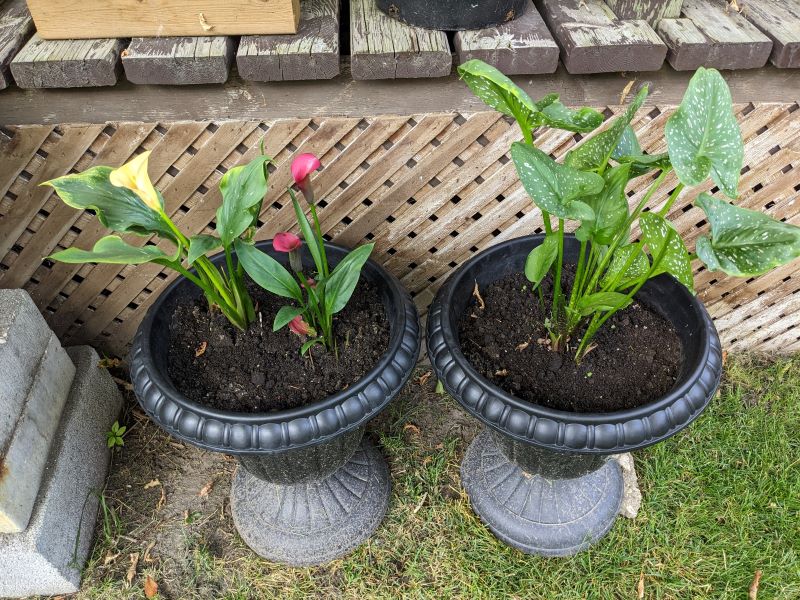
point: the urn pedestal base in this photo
(317, 520)
(557, 505)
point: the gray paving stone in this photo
(24, 456)
(47, 557)
(24, 335)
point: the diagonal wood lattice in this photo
(431, 190)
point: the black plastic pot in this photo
(453, 14)
(310, 488)
(540, 478)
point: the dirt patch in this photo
(258, 370)
(636, 360)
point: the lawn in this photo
(721, 501)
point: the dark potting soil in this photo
(259, 370)
(636, 359)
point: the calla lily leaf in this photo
(113, 249)
(242, 188)
(497, 90)
(663, 240)
(610, 207)
(558, 116)
(552, 186)
(117, 208)
(744, 243)
(703, 136)
(628, 265)
(285, 316)
(596, 151)
(602, 301)
(266, 271)
(342, 281)
(540, 259)
(200, 245)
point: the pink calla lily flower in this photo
(302, 167)
(300, 327)
(286, 242)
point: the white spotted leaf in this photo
(541, 259)
(744, 243)
(554, 187)
(497, 90)
(703, 136)
(610, 208)
(628, 265)
(664, 241)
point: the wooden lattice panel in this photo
(431, 190)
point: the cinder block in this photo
(24, 335)
(24, 455)
(47, 557)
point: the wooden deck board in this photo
(522, 47)
(313, 53)
(67, 63)
(780, 21)
(16, 27)
(179, 60)
(384, 48)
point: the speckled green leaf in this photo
(660, 236)
(558, 116)
(630, 263)
(610, 208)
(596, 151)
(113, 250)
(744, 243)
(703, 136)
(628, 144)
(541, 259)
(117, 208)
(497, 90)
(242, 188)
(200, 245)
(602, 301)
(552, 186)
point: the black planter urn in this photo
(453, 14)
(309, 487)
(541, 479)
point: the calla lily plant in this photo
(589, 190)
(317, 291)
(126, 202)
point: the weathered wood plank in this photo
(522, 47)
(67, 63)
(711, 34)
(594, 40)
(779, 20)
(313, 53)
(383, 48)
(651, 11)
(16, 27)
(67, 19)
(179, 60)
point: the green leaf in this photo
(552, 186)
(628, 265)
(703, 136)
(556, 115)
(313, 244)
(113, 250)
(285, 315)
(117, 208)
(342, 281)
(267, 272)
(744, 243)
(596, 151)
(242, 188)
(628, 144)
(610, 208)
(661, 237)
(310, 344)
(540, 259)
(602, 301)
(200, 245)
(641, 164)
(497, 90)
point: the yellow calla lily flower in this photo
(134, 177)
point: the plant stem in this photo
(672, 197)
(557, 300)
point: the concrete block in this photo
(24, 456)
(24, 335)
(47, 557)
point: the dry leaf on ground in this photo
(752, 593)
(146, 558)
(151, 484)
(206, 489)
(477, 294)
(108, 363)
(423, 379)
(640, 587)
(134, 558)
(201, 349)
(150, 587)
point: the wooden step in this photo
(779, 20)
(313, 53)
(179, 60)
(384, 48)
(16, 28)
(522, 47)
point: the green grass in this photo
(720, 501)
